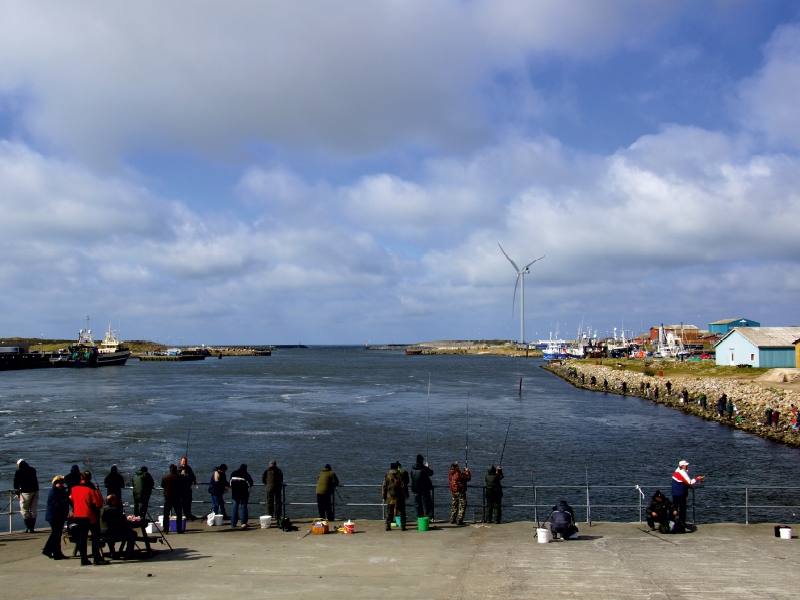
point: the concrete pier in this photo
(608, 560)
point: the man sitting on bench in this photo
(116, 528)
(562, 521)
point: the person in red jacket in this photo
(458, 489)
(86, 504)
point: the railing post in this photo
(333, 504)
(283, 500)
(640, 502)
(484, 503)
(10, 510)
(747, 506)
(694, 520)
(588, 507)
(535, 506)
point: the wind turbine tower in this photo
(520, 273)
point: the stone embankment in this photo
(750, 401)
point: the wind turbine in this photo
(520, 273)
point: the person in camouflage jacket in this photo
(458, 489)
(394, 492)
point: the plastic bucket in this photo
(398, 521)
(210, 520)
(266, 521)
(423, 523)
(786, 533)
(217, 520)
(349, 527)
(543, 535)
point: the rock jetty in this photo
(750, 401)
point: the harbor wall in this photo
(749, 399)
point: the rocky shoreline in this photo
(750, 400)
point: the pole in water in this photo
(520, 386)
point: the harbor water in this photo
(361, 410)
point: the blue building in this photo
(726, 325)
(768, 347)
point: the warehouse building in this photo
(726, 325)
(768, 347)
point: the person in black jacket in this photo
(273, 481)
(56, 514)
(173, 484)
(494, 494)
(217, 488)
(184, 470)
(422, 487)
(241, 482)
(27, 488)
(143, 485)
(116, 528)
(660, 511)
(562, 520)
(72, 478)
(114, 483)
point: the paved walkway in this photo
(609, 560)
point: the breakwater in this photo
(750, 401)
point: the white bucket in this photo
(152, 529)
(544, 536)
(217, 520)
(266, 521)
(786, 533)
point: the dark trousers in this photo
(169, 506)
(494, 509)
(53, 545)
(186, 503)
(274, 504)
(424, 504)
(84, 527)
(679, 503)
(140, 505)
(126, 540)
(654, 522)
(325, 506)
(396, 510)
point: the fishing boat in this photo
(555, 349)
(111, 351)
(86, 353)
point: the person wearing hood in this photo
(56, 514)
(327, 482)
(241, 482)
(143, 485)
(26, 486)
(660, 511)
(494, 494)
(562, 520)
(114, 484)
(217, 488)
(422, 487)
(273, 483)
(72, 478)
(394, 493)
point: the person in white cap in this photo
(681, 482)
(27, 488)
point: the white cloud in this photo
(109, 78)
(770, 98)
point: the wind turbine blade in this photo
(530, 263)
(513, 301)
(509, 259)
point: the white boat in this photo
(111, 351)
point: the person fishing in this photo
(458, 491)
(681, 482)
(421, 486)
(273, 484)
(184, 470)
(327, 482)
(115, 483)
(143, 485)
(494, 494)
(562, 520)
(217, 488)
(660, 512)
(394, 493)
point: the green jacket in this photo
(493, 487)
(327, 481)
(394, 490)
(143, 484)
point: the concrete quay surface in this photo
(608, 560)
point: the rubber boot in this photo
(30, 524)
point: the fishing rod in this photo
(588, 504)
(428, 424)
(159, 528)
(535, 503)
(502, 453)
(187, 444)
(466, 447)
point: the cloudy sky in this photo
(337, 172)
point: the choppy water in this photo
(360, 410)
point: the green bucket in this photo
(423, 523)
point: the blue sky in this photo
(319, 173)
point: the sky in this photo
(336, 173)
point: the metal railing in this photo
(613, 502)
